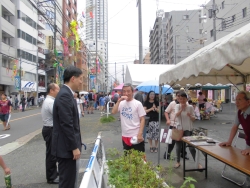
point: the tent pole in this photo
(159, 144)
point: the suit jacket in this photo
(66, 128)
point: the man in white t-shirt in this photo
(132, 119)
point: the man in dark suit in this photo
(66, 139)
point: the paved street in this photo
(27, 161)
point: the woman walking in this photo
(184, 115)
(151, 106)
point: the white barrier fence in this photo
(108, 107)
(93, 175)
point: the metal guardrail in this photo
(93, 175)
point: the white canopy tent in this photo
(224, 61)
(138, 73)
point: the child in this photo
(102, 103)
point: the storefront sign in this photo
(41, 89)
(28, 86)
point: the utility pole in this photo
(115, 72)
(140, 31)
(88, 70)
(20, 72)
(123, 73)
(55, 29)
(214, 20)
(175, 49)
(36, 99)
(96, 41)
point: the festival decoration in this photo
(12, 72)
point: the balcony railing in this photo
(41, 35)
(40, 50)
(41, 19)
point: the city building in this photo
(76, 58)
(8, 45)
(97, 25)
(175, 36)
(22, 48)
(230, 16)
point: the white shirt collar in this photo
(49, 96)
(70, 90)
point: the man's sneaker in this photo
(88, 112)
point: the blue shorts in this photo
(4, 117)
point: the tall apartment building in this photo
(69, 8)
(22, 47)
(8, 44)
(175, 36)
(231, 15)
(78, 58)
(157, 42)
(99, 9)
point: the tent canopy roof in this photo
(138, 73)
(223, 61)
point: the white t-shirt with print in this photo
(130, 113)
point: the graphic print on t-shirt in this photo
(127, 113)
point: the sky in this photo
(123, 39)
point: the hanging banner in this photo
(92, 81)
(233, 94)
(222, 95)
(210, 94)
(17, 82)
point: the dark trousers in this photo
(67, 172)
(170, 146)
(16, 106)
(179, 148)
(51, 168)
(138, 147)
(23, 107)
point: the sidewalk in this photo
(28, 167)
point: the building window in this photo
(26, 19)
(244, 12)
(19, 33)
(233, 18)
(68, 2)
(5, 63)
(26, 37)
(6, 40)
(223, 5)
(185, 17)
(200, 31)
(212, 33)
(26, 55)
